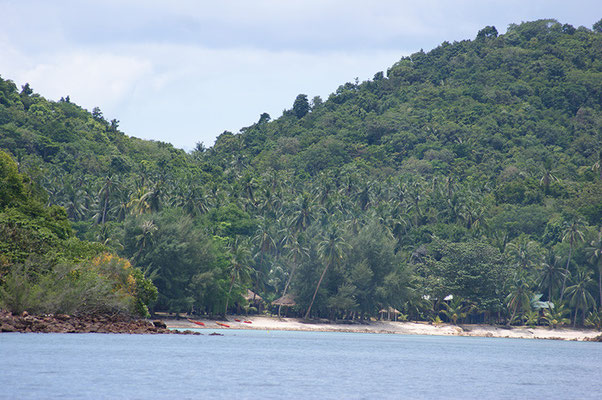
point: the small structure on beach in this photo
(254, 300)
(389, 311)
(285, 301)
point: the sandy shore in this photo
(402, 328)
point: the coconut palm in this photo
(104, 195)
(548, 176)
(519, 298)
(148, 229)
(239, 269)
(556, 316)
(330, 250)
(572, 232)
(302, 215)
(551, 273)
(455, 309)
(524, 254)
(296, 252)
(595, 253)
(598, 165)
(579, 295)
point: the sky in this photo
(184, 71)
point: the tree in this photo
(487, 32)
(455, 309)
(331, 252)
(296, 252)
(301, 106)
(519, 298)
(551, 273)
(572, 233)
(524, 253)
(240, 269)
(12, 187)
(595, 252)
(579, 295)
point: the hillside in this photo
(471, 170)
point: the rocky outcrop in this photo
(61, 323)
(595, 339)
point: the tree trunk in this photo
(566, 271)
(104, 210)
(288, 281)
(600, 283)
(316, 292)
(228, 298)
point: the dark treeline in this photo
(464, 184)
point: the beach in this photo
(391, 327)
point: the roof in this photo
(252, 296)
(390, 310)
(286, 300)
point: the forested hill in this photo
(526, 99)
(471, 170)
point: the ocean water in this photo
(247, 364)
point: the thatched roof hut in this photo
(389, 311)
(287, 300)
(252, 297)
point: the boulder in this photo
(159, 324)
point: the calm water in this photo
(295, 365)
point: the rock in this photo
(595, 339)
(159, 324)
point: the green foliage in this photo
(105, 285)
(436, 178)
(474, 271)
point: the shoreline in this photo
(390, 327)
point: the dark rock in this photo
(159, 324)
(595, 339)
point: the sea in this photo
(255, 364)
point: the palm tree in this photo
(265, 244)
(572, 233)
(104, 194)
(456, 309)
(548, 176)
(303, 214)
(525, 254)
(595, 252)
(556, 316)
(519, 297)
(330, 250)
(145, 237)
(579, 295)
(598, 165)
(239, 266)
(551, 273)
(296, 251)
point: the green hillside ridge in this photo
(471, 170)
(45, 269)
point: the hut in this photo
(285, 301)
(389, 311)
(254, 300)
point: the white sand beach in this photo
(402, 328)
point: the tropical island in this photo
(463, 186)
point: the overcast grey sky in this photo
(183, 71)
